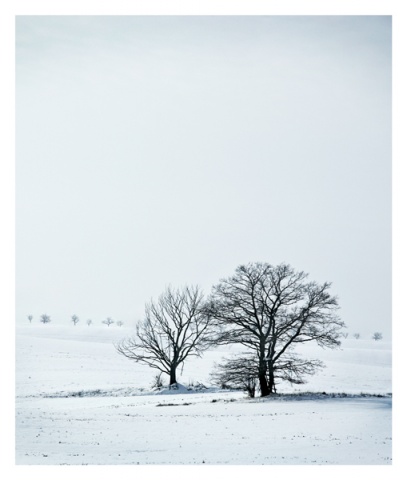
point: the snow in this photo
(79, 402)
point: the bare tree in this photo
(119, 323)
(45, 319)
(377, 336)
(30, 318)
(269, 310)
(89, 322)
(108, 321)
(356, 335)
(174, 328)
(75, 319)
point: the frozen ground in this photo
(79, 402)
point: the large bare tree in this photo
(175, 327)
(270, 310)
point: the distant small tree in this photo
(356, 335)
(45, 318)
(377, 336)
(30, 318)
(75, 319)
(89, 322)
(108, 321)
(345, 335)
(119, 323)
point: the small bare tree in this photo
(241, 372)
(45, 318)
(75, 319)
(157, 382)
(174, 328)
(119, 323)
(377, 336)
(89, 322)
(108, 321)
(238, 373)
(356, 335)
(30, 318)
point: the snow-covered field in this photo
(79, 402)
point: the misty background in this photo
(168, 150)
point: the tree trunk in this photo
(251, 389)
(173, 375)
(272, 380)
(264, 386)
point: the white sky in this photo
(168, 150)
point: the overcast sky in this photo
(169, 150)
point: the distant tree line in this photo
(44, 318)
